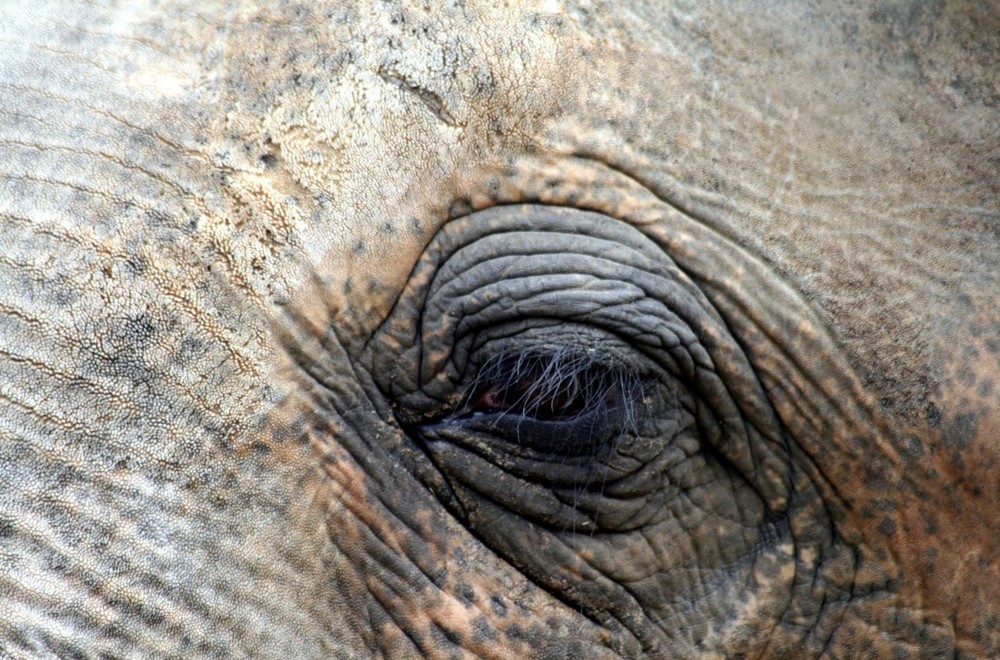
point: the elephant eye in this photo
(560, 387)
(568, 402)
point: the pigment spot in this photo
(497, 605)
(985, 387)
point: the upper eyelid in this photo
(573, 372)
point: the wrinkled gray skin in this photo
(557, 331)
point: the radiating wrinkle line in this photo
(75, 55)
(161, 50)
(188, 194)
(104, 112)
(865, 410)
(70, 379)
(167, 286)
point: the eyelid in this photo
(559, 385)
(545, 395)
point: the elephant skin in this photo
(384, 329)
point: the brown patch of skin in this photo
(208, 217)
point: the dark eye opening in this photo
(560, 386)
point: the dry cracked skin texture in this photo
(209, 211)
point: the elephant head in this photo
(335, 329)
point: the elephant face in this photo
(348, 330)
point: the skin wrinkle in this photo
(600, 616)
(758, 322)
(752, 307)
(617, 170)
(293, 190)
(415, 616)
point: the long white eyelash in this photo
(569, 371)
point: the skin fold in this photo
(476, 329)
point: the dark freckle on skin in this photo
(493, 187)
(515, 632)
(65, 296)
(913, 446)
(138, 329)
(462, 561)
(459, 207)
(387, 228)
(268, 160)
(348, 286)
(985, 387)
(933, 414)
(498, 606)
(359, 248)
(887, 526)
(136, 265)
(6, 528)
(871, 509)
(416, 228)
(966, 376)
(875, 480)
(481, 630)
(965, 427)
(465, 594)
(449, 636)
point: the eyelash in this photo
(563, 385)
